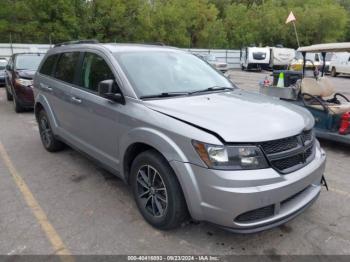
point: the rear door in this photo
(96, 118)
(58, 74)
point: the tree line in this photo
(183, 23)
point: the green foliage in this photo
(183, 23)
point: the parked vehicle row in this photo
(186, 139)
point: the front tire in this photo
(48, 139)
(157, 191)
(16, 105)
(9, 97)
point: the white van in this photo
(255, 58)
(281, 57)
(340, 64)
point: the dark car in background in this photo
(3, 63)
(19, 74)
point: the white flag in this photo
(290, 18)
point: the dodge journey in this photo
(184, 137)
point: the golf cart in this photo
(315, 92)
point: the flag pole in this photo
(296, 34)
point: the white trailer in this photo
(254, 58)
(281, 57)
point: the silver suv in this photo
(185, 139)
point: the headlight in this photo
(24, 82)
(231, 157)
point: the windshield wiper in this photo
(166, 94)
(212, 88)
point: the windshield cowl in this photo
(197, 92)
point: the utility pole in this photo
(11, 43)
(296, 33)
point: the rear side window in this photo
(95, 69)
(66, 66)
(47, 67)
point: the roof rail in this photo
(92, 41)
(155, 43)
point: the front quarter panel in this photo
(169, 136)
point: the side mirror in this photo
(8, 67)
(106, 89)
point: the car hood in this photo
(28, 74)
(237, 116)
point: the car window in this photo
(66, 66)
(95, 69)
(28, 61)
(3, 64)
(317, 58)
(10, 63)
(47, 67)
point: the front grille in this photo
(280, 145)
(292, 153)
(285, 163)
(256, 214)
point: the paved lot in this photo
(92, 212)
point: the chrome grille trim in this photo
(288, 159)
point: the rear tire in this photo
(50, 142)
(334, 72)
(157, 191)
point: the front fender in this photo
(154, 138)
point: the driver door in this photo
(96, 118)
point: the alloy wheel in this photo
(151, 191)
(45, 131)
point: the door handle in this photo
(76, 100)
(46, 87)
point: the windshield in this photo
(3, 64)
(157, 72)
(28, 61)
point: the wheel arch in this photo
(143, 139)
(41, 103)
